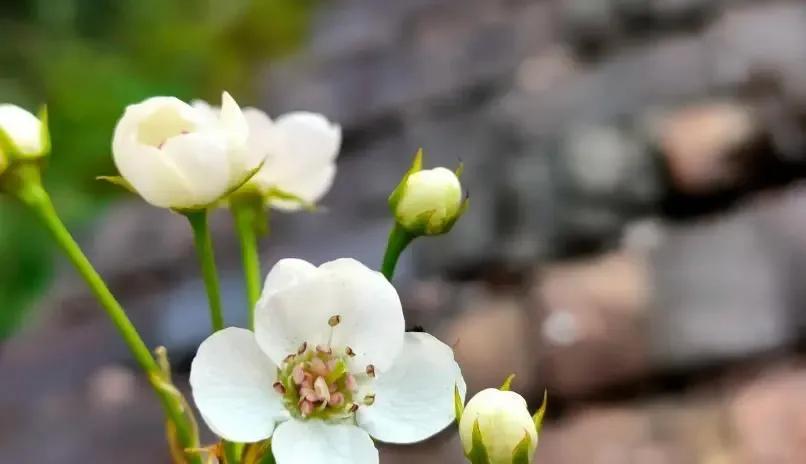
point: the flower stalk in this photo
(24, 183)
(399, 239)
(248, 215)
(204, 250)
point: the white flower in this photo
(300, 150)
(328, 366)
(176, 156)
(430, 201)
(23, 130)
(504, 421)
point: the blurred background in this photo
(636, 240)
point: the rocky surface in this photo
(635, 244)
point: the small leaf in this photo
(119, 181)
(507, 385)
(478, 453)
(458, 404)
(538, 417)
(522, 452)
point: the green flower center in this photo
(316, 383)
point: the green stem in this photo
(399, 239)
(28, 189)
(232, 452)
(246, 217)
(204, 250)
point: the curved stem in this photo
(399, 239)
(246, 216)
(28, 189)
(204, 251)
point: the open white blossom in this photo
(328, 366)
(177, 156)
(23, 130)
(300, 150)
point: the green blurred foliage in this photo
(88, 59)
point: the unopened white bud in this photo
(23, 135)
(504, 422)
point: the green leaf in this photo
(507, 385)
(538, 417)
(458, 403)
(119, 181)
(522, 452)
(478, 453)
(416, 165)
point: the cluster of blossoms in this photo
(327, 367)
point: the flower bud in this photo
(21, 135)
(504, 427)
(427, 201)
(177, 156)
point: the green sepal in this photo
(44, 130)
(458, 403)
(397, 193)
(538, 417)
(119, 181)
(288, 196)
(522, 452)
(507, 385)
(251, 202)
(462, 208)
(459, 170)
(7, 146)
(478, 452)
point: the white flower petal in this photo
(370, 311)
(233, 119)
(202, 159)
(302, 149)
(316, 442)
(286, 272)
(310, 188)
(261, 132)
(151, 173)
(232, 382)
(414, 400)
(22, 127)
(372, 321)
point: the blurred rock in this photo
(721, 293)
(704, 146)
(592, 331)
(492, 339)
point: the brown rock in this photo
(592, 333)
(491, 342)
(701, 145)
